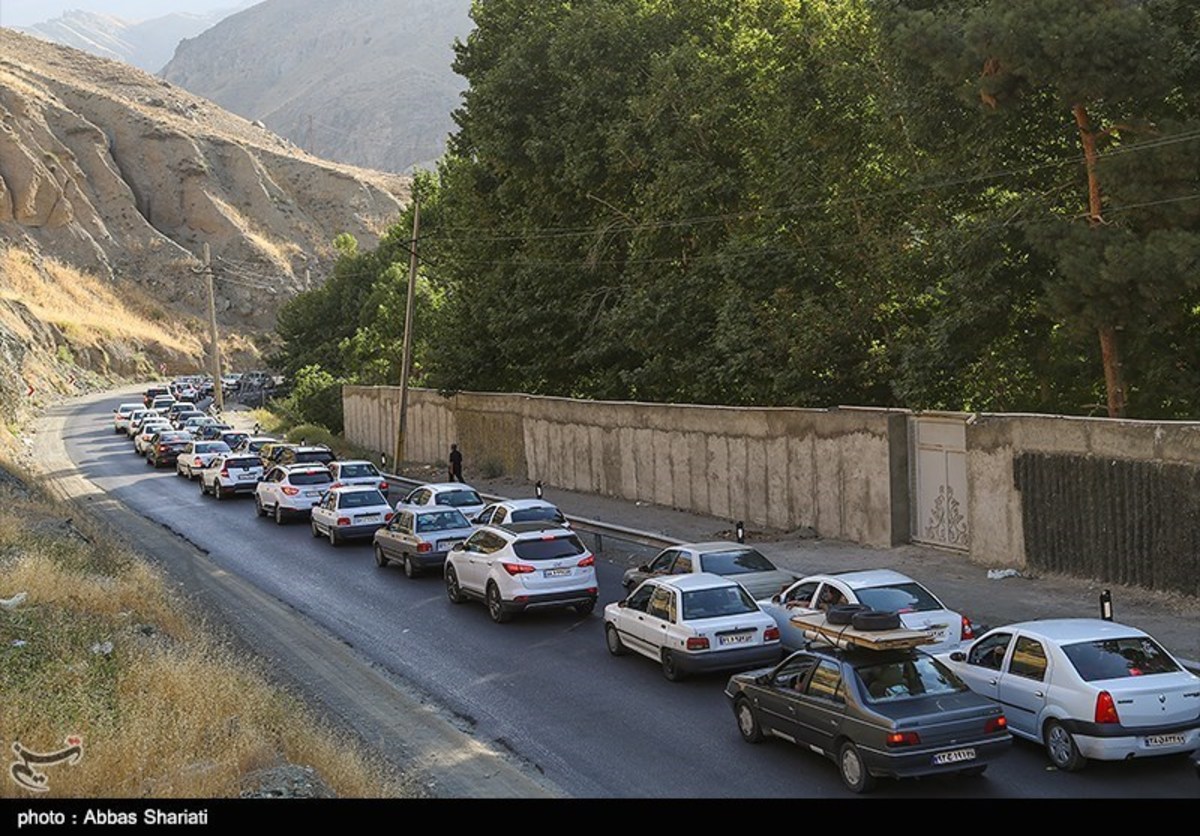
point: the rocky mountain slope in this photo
(112, 181)
(146, 44)
(367, 82)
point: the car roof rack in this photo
(845, 637)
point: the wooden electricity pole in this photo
(406, 362)
(218, 395)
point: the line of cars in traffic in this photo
(936, 695)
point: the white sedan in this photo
(693, 623)
(1085, 688)
(349, 513)
(879, 589)
(446, 495)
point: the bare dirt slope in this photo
(367, 82)
(123, 175)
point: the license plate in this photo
(557, 573)
(312, 493)
(366, 518)
(1156, 740)
(735, 638)
(447, 545)
(957, 756)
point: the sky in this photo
(27, 12)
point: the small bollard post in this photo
(538, 489)
(383, 460)
(1106, 609)
(741, 531)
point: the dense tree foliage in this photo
(979, 204)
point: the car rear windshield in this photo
(174, 438)
(919, 675)
(900, 597)
(361, 499)
(714, 603)
(358, 471)
(243, 464)
(735, 562)
(311, 477)
(318, 456)
(442, 521)
(458, 499)
(550, 548)
(213, 447)
(534, 514)
(1119, 658)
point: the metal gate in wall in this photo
(939, 456)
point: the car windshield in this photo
(735, 562)
(358, 471)
(311, 477)
(918, 675)
(442, 521)
(900, 597)
(361, 499)
(1119, 658)
(714, 603)
(539, 513)
(458, 499)
(548, 548)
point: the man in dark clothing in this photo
(455, 464)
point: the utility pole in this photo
(218, 395)
(406, 363)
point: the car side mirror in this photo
(762, 679)
(958, 656)
(623, 603)
(644, 568)
(776, 598)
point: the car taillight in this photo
(225, 472)
(996, 724)
(290, 491)
(197, 462)
(697, 643)
(335, 485)
(771, 634)
(383, 486)
(968, 631)
(518, 568)
(343, 521)
(388, 516)
(590, 560)
(907, 738)
(1106, 709)
(428, 547)
(162, 448)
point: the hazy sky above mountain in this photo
(28, 12)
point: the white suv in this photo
(291, 490)
(231, 474)
(523, 566)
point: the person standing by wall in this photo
(455, 464)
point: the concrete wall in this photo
(836, 471)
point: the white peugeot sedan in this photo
(350, 512)
(880, 589)
(693, 623)
(1085, 688)
(121, 416)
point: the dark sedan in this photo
(893, 713)
(164, 448)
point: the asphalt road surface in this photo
(542, 688)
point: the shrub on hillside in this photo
(316, 398)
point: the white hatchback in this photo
(1085, 688)
(693, 623)
(523, 566)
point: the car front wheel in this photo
(453, 590)
(1061, 748)
(495, 605)
(853, 770)
(258, 506)
(747, 721)
(613, 639)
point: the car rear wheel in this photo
(747, 721)
(334, 540)
(670, 666)
(1061, 748)
(453, 590)
(380, 558)
(411, 569)
(217, 492)
(495, 605)
(278, 515)
(853, 770)
(613, 639)
(203, 490)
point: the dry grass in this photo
(170, 712)
(85, 307)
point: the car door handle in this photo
(1039, 694)
(993, 681)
